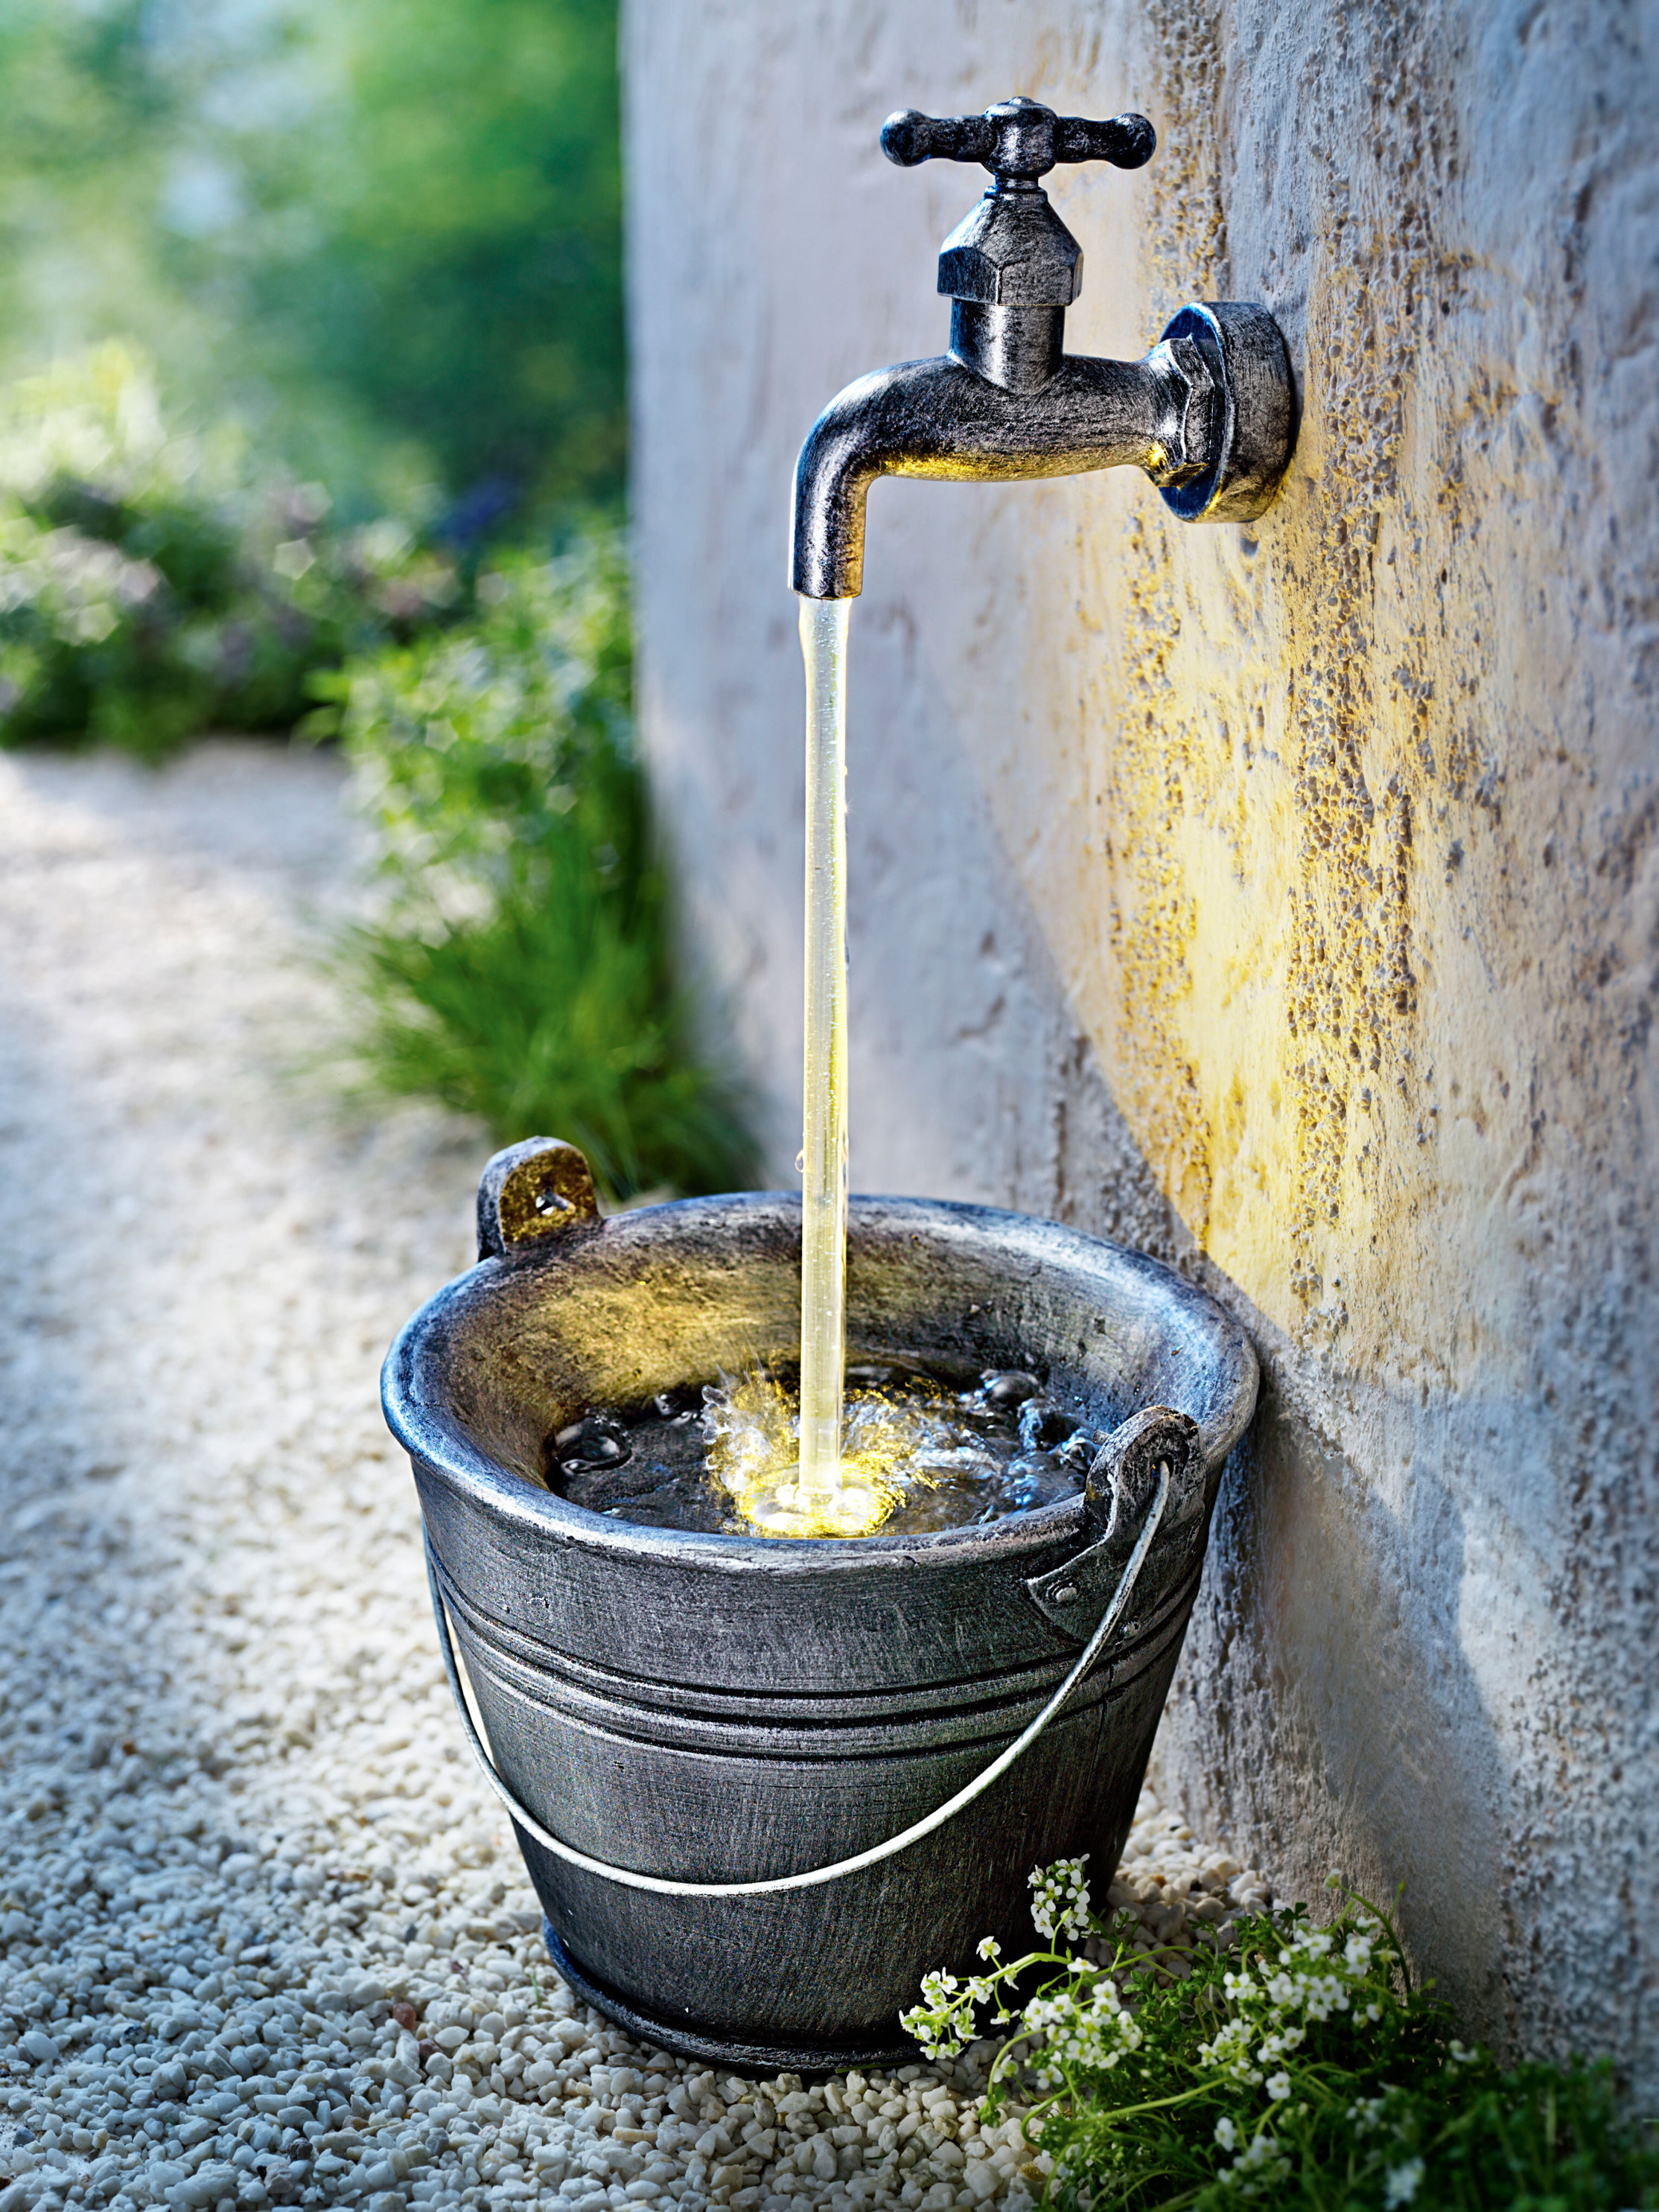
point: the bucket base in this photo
(760, 2060)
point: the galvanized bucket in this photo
(761, 1786)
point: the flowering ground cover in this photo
(1274, 2062)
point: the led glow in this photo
(893, 1447)
(823, 1141)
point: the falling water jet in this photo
(816, 1501)
(824, 1143)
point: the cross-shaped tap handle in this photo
(1017, 138)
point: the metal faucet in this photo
(1209, 413)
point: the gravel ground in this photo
(263, 1937)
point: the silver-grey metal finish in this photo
(1018, 140)
(812, 1877)
(1150, 1450)
(717, 1710)
(1209, 413)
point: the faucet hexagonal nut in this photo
(1011, 251)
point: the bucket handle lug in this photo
(533, 1191)
(660, 1886)
(1124, 1473)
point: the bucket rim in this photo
(437, 1442)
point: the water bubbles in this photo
(1012, 1386)
(599, 1440)
(1043, 1425)
(923, 1451)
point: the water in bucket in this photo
(936, 1449)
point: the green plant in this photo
(1286, 2065)
(151, 586)
(389, 234)
(522, 967)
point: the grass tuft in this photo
(521, 968)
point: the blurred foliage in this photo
(386, 237)
(463, 278)
(369, 247)
(522, 967)
(375, 248)
(153, 584)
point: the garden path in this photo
(237, 1830)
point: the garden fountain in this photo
(763, 1782)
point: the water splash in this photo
(922, 1449)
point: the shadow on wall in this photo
(1324, 1705)
(1326, 1709)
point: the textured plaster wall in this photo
(1285, 898)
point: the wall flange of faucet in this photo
(1253, 428)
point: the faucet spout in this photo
(940, 418)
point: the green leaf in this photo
(522, 969)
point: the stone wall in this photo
(1286, 898)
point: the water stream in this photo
(823, 1115)
(913, 1449)
(813, 1499)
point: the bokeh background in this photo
(313, 425)
(385, 241)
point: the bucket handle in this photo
(629, 1880)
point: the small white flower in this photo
(1279, 2087)
(1059, 1903)
(1226, 2134)
(1401, 2183)
(1257, 2167)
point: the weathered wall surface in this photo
(1286, 898)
